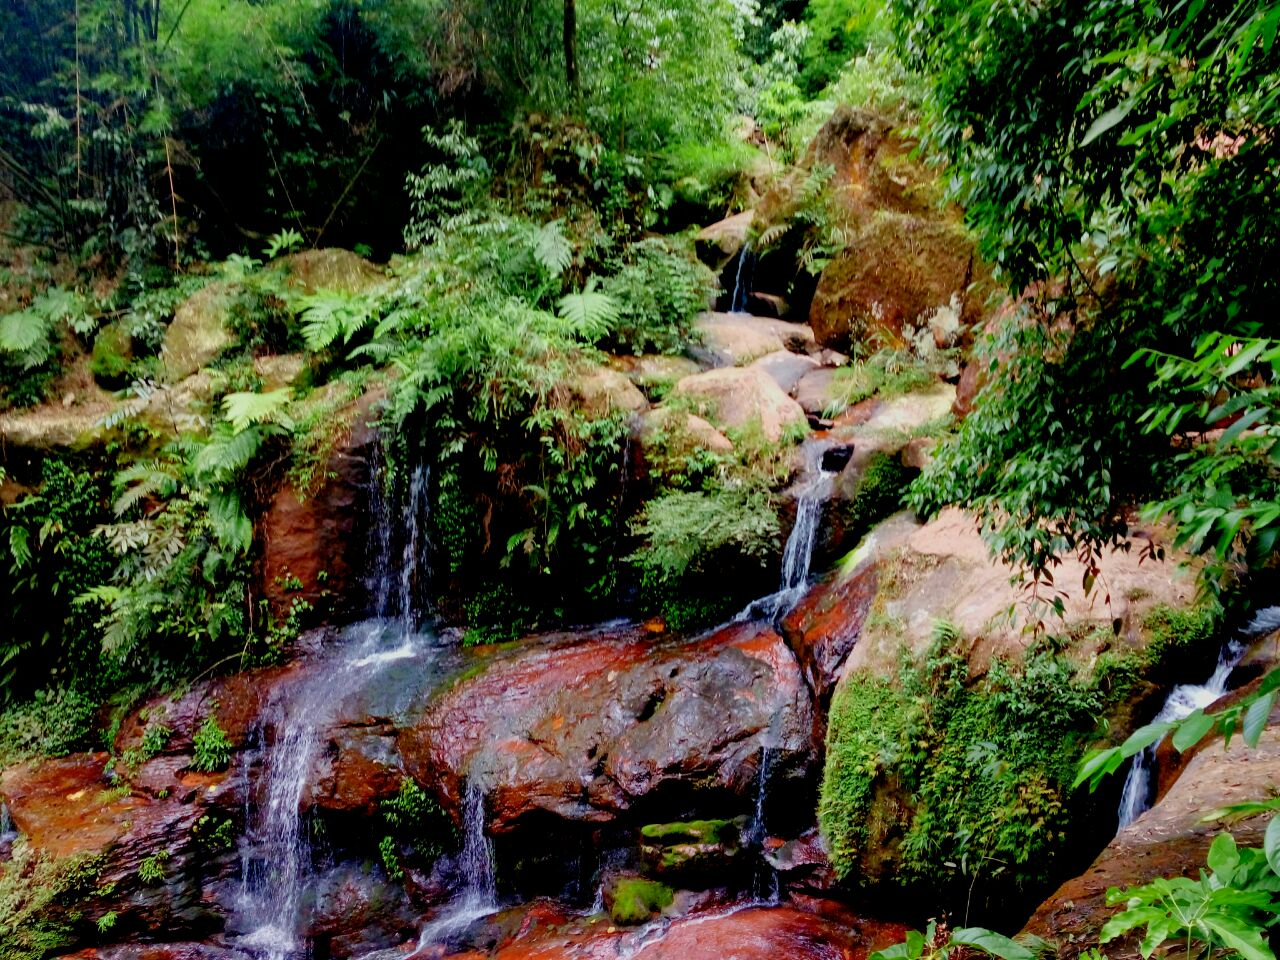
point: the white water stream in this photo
(797, 556)
(1184, 700)
(276, 853)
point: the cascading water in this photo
(797, 556)
(764, 883)
(479, 895)
(1184, 700)
(7, 833)
(742, 280)
(276, 854)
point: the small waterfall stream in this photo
(479, 895)
(7, 833)
(742, 280)
(797, 555)
(1184, 700)
(765, 887)
(276, 853)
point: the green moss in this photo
(635, 900)
(112, 356)
(878, 495)
(984, 768)
(691, 831)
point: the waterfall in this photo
(276, 853)
(7, 833)
(742, 280)
(797, 555)
(479, 895)
(764, 882)
(1184, 700)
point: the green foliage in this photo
(213, 748)
(986, 767)
(1228, 910)
(214, 834)
(659, 289)
(1111, 167)
(151, 869)
(690, 536)
(879, 493)
(939, 943)
(29, 343)
(415, 818)
(635, 900)
(112, 356)
(52, 554)
(38, 898)
(51, 723)
(838, 31)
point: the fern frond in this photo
(21, 331)
(243, 410)
(552, 249)
(226, 454)
(590, 314)
(231, 525)
(328, 315)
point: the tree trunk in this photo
(571, 46)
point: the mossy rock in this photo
(634, 900)
(112, 357)
(692, 831)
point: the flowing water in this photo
(7, 833)
(742, 280)
(1184, 700)
(276, 854)
(765, 886)
(479, 895)
(797, 556)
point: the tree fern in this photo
(227, 453)
(23, 330)
(231, 525)
(143, 480)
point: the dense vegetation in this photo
(232, 227)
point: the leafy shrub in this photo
(213, 748)
(37, 902)
(659, 288)
(692, 538)
(112, 356)
(416, 818)
(53, 723)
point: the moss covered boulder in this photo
(635, 900)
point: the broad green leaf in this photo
(1271, 844)
(1223, 856)
(1256, 717)
(1240, 935)
(1191, 730)
(1108, 120)
(992, 943)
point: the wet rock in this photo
(158, 951)
(692, 852)
(742, 397)
(802, 864)
(592, 728)
(972, 378)
(767, 305)
(355, 911)
(734, 339)
(71, 809)
(786, 368)
(740, 932)
(826, 625)
(1168, 840)
(655, 374)
(313, 542)
(815, 391)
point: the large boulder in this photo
(734, 339)
(786, 368)
(601, 391)
(330, 268)
(898, 274)
(594, 728)
(742, 397)
(198, 331)
(720, 242)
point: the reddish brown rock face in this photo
(751, 933)
(314, 546)
(587, 728)
(826, 624)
